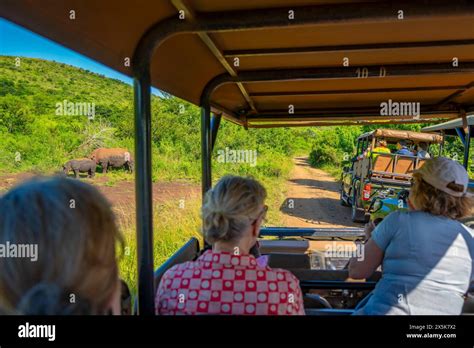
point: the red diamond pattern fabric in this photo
(223, 283)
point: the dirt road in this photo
(313, 199)
(121, 193)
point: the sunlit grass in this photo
(173, 226)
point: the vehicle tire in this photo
(358, 214)
(344, 198)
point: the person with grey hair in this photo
(228, 279)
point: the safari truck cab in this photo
(377, 182)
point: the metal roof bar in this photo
(330, 14)
(191, 15)
(322, 124)
(347, 112)
(343, 48)
(352, 72)
(357, 91)
(350, 118)
(456, 94)
(450, 125)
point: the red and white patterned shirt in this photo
(223, 283)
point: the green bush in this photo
(322, 154)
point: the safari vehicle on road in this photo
(250, 62)
(377, 182)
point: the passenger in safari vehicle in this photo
(228, 279)
(426, 254)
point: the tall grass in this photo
(173, 226)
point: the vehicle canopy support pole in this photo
(461, 135)
(143, 192)
(467, 144)
(441, 145)
(206, 148)
(215, 123)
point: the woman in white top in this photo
(426, 254)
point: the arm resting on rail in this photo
(362, 268)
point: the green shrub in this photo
(322, 154)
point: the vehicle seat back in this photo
(383, 163)
(420, 163)
(188, 252)
(405, 167)
(284, 246)
(289, 261)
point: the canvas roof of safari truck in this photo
(396, 134)
(270, 63)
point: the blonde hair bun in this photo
(230, 207)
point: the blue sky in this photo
(20, 42)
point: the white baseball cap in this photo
(439, 172)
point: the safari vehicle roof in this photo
(282, 61)
(449, 128)
(395, 135)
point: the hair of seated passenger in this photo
(49, 299)
(74, 229)
(430, 199)
(230, 208)
(423, 146)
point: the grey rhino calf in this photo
(82, 165)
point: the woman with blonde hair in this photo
(68, 235)
(426, 253)
(228, 279)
